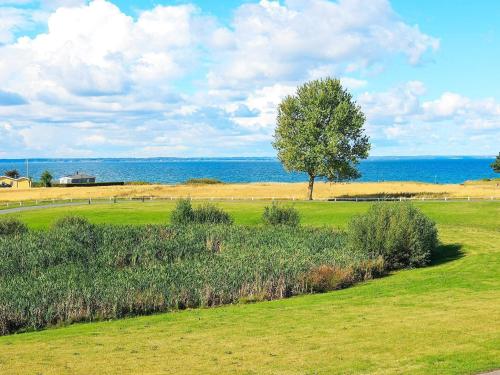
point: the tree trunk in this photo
(310, 188)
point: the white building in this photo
(77, 178)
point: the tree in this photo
(14, 173)
(496, 164)
(46, 179)
(320, 132)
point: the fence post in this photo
(468, 198)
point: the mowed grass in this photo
(443, 319)
(336, 214)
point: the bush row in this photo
(208, 213)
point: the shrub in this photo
(71, 222)
(276, 215)
(331, 277)
(184, 214)
(10, 226)
(210, 214)
(203, 181)
(398, 232)
(325, 278)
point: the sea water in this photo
(176, 170)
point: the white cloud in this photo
(305, 38)
(448, 105)
(353, 83)
(396, 104)
(264, 102)
(12, 21)
(97, 50)
(173, 81)
(450, 124)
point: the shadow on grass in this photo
(446, 253)
(384, 195)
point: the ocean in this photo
(176, 170)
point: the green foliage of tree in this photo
(496, 164)
(320, 132)
(46, 179)
(13, 173)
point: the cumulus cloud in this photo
(396, 104)
(404, 103)
(172, 80)
(298, 39)
(449, 124)
(96, 50)
(12, 21)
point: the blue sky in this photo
(203, 78)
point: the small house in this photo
(77, 178)
(16, 183)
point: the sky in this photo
(203, 78)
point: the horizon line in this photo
(227, 157)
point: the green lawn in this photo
(443, 319)
(337, 214)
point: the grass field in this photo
(484, 189)
(443, 319)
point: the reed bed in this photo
(77, 271)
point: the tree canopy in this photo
(320, 132)
(46, 179)
(496, 164)
(13, 173)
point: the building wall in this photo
(65, 180)
(23, 184)
(68, 180)
(16, 184)
(4, 180)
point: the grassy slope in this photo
(443, 319)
